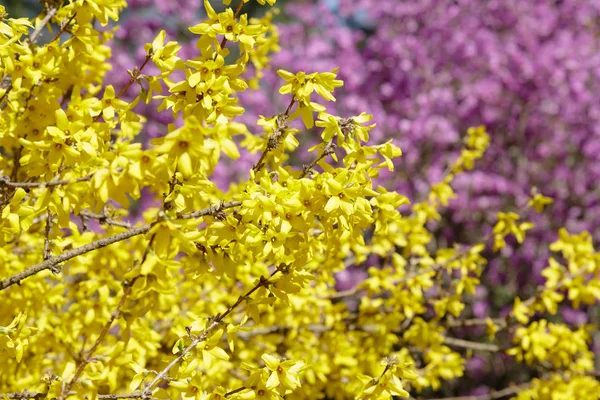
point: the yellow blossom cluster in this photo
(231, 295)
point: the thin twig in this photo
(39, 395)
(63, 28)
(327, 150)
(4, 181)
(47, 254)
(237, 13)
(315, 328)
(105, 219)
(6, 93)
(36, 33)
(358, 288)
(234, 391)
(88, 357)
(134, 76)
(204, 335)
(456, 323)
(23, 395)
(466, 344)
(461, 253)
(125, 396)
(210, 210)
(491, 396)
(52, 262)
(274, 140)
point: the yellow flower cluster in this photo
(231, 294)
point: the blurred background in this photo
(428, 70)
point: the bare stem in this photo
(204, 334)
(39, 395)
(36, 33)
(87, 358)
(491, 396)
(466, 344)
(63, 27)
(274, 139)
(47, 254)
(105, 219)
(134, 76)
(4, 181)
(234, 391)
(53, 262)
(474, 322)
(328, 149)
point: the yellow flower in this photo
(539, 201)
(284, 373)
(109, 104)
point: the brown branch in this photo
(47, 254)
(125, 396)
(237, 13)
(53, 262)
(87, 358)
(506, 322)
(216, 321)
(474, 322)
(315, 328)
(491, 396)
(234, 391)
(358, 288)
(63, 28)
(4, 181)
(329, 149)
(471, 345)
(36, 33)
(8, 89)
(134, 76)
(39, 395)
(210, 210)
(274, 140)
(23, 395)
(105, 219)
(461, 253)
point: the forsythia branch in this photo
(274, 139)
(63, 28)
(53, 262)
(36, 33)
(329, 149)
(204, 335)
(39, 395)
(466, 344)
(105, 219)
(490, 396)
(87, 358)
(237, 14)
(5, 181)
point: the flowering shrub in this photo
(526, 70)
(428, 70)
(230, 294)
